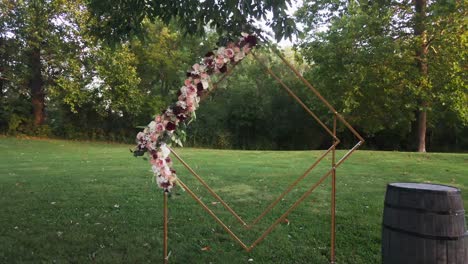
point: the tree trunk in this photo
(422, 121)
(421, 61)
(2, 66)
(37, 87)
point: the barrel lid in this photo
(425, 187)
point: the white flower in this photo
(140, 135)
(155, 169)
(161, 180)
(239, 56)
(164, 151)
(220, 51)
(181, 104)
(183, 91)
(202, 68)
(152, 126)
(196, 68)
(205, 84)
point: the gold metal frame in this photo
(334, 165)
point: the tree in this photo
(117, 20)
(41, 40)
(382, 60)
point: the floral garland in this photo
(159, 134)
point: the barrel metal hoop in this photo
(424, 235)
(425, 211)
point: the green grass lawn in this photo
(78, 202)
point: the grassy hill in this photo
(85, 202)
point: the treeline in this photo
(61, 79)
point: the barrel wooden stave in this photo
(424, 224)
(401, 248)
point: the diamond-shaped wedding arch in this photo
(331, 172)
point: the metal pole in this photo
(166, 257)
(333, 200)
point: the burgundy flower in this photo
(170, 126)
(154, 154)
(209, 62)
(223, 69)
(251, 39)
(181, 117)
(209, 54)
(199, 87)
(165, 185)
(168, 160)
(177, 110)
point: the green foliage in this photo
(359, 55)
(119, 20)
(364, 62)
(252, 111)
(14, 123)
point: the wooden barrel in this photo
(424, 223)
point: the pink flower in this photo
(166, 172)
(191, 108)
(158, 119)
(153, 161)
(149, 145)
(188, 82)
(154, 137)
(204, 76)
(140, 135)
(160, 163)
(190, 100)
(160, 127)
(191, 90)
(229, 53)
